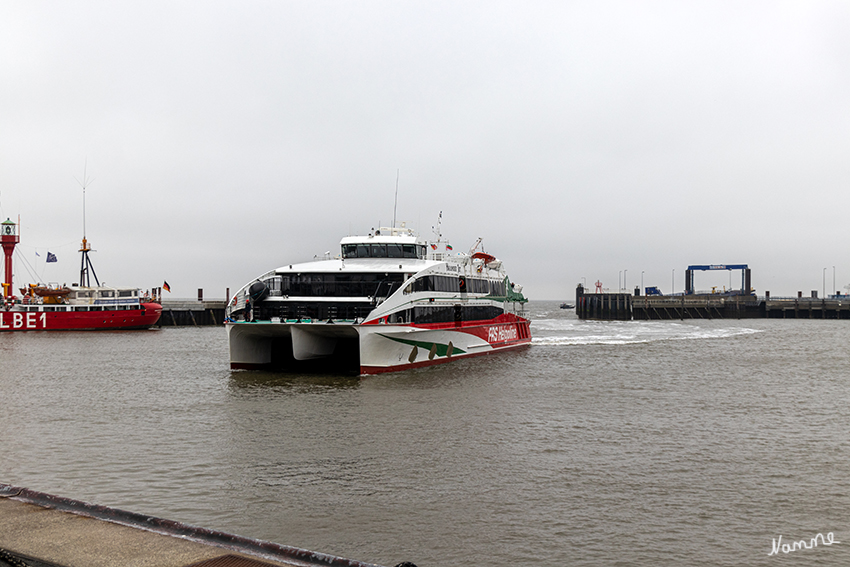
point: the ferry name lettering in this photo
(501, 334)
(22, 320)
(802, 544)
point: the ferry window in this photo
(481, 312)
(379, 250)
(421, 248)
(446, 283)
(437, 283)
(274, 284)
(403, 316)
(479, 286)
(394, 251)
(497, 288)
(107, 294)
(423, 284)
(349, 251)
(340, 285)
(362, 251)
(408, 250)
(433, 314)
(125, 293)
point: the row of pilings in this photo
(191, 313)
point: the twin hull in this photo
(366, 349)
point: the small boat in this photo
(45, 291)
(70, 308)
(567, 306)
(390, 301)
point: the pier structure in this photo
(44, 530)
(190, 312)
(619, 306)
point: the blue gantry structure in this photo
(746, 277)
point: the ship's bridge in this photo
(384, 243)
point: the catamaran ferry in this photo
(388, 302)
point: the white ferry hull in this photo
(366, 349)
(388, 348)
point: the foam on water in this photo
(560, 332)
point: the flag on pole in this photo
(51, 257)
(37, 254)
(448, 246)
(166, 287)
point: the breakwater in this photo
(68, 530)
(606, 306)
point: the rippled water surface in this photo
(620, 443)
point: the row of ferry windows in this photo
(420, 314)
(334, 285)
(456, 284)
(375, 285)
(383, 251)
(446, 314)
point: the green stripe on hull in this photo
(442, 350)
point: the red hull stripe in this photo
(497, 332)
(80, 320)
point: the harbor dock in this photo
(42, 530)
(623, 306)
(190, 312)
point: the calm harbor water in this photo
(616, 443)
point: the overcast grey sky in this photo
(580, 139)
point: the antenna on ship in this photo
(395, 205)
(438, 230)
(85, 264)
